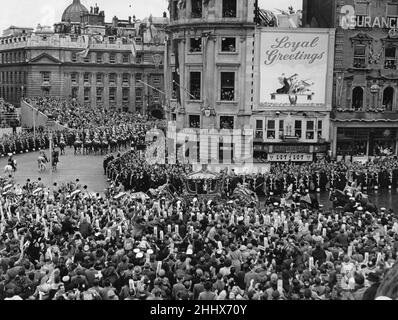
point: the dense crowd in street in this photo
(8, 115)
(89, 130)
(64, 243)
(140, 241)
(75, 115)
(322, 175)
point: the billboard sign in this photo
(293, 67)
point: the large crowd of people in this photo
(8, 115)
(91, 130)
(65, 243)
(139, 242)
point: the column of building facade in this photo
(105, 96)
(212, 91)
(93, 89)
(132, 107)
(145, 93)
(119, 89)
(80, 89)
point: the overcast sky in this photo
(28, 13)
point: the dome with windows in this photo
(73, 12)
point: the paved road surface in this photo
(88, 169)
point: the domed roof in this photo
(74, 12)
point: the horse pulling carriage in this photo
(350, 202)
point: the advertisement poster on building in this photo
(293, 68)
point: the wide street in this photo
(88, 169)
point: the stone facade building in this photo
(365, 119)
(209, 74)
(87, 59)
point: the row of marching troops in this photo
(30, 141)
(316, 182)
(24, 143)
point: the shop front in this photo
(290, 152)
(366, 142)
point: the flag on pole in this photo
(85, 52)
(133, 49)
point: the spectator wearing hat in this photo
(374, 281)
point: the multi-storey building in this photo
(365, 120)
(117, 64)
(209, 76)
(293, 89)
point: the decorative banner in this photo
(293, 67)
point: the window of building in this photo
(196, 9)
(156, 96)
(112, 40)
(388, 98)
(360, 56)
(228, 44)
(281, 129)
(126, 58)
(361, 11)
(73, 77)
(87, 77)
(138, 95)
(195, 86)
(156, 80)
(194, 121)
(390, 54)
(46, 76)
(310, 133)
(139, 58)
(259, 129)
(271, 129)
(126, 78)
(45, 92)
(174, 10)
(126, 94)
(74, 57)
(226, 122)
(100, 93)
(99, 77)
(357, 98)
(112, 58)
(174, 85)
(112, 78)
(99, 57)
(88, 58)
(195, 45)
(229, 8)
(226, 153)
(297, 129)
(87, 93)
(112, 94)
(227, 86)
(138, 78)
(392, 14)
(320, 129)
(75, 92)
